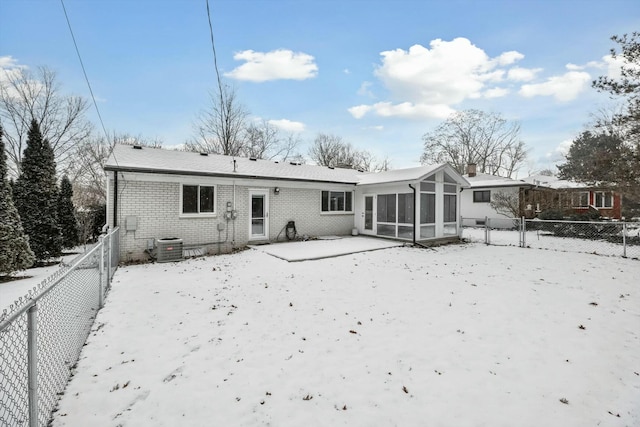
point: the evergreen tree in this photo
(596, 158)
(36, 195)
(15, 253)
(66, 217)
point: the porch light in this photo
(276, 190)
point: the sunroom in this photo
(416, 204)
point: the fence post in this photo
(624, 239)
(101, 274)
(487, 222)
(109, 240)
(524, 232)
(32, 365)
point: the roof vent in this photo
(294, 163)
(137, 147)
(330, 167)
(204, 154)
(276, 161)
(253, 159)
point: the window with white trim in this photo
(581, 199)
(482, 196)
(337, 201)
(198, 200)
(603, 199)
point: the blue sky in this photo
(380, 74)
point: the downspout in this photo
(115, 199)
(415, 203)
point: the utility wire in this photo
(95, 104)
(215, 57)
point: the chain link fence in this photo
(601, 238)
(42, 335)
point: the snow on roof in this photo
(408, 174)
(553, 182)
(125, 157)
(145, 159)
(484, 180)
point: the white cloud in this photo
(288, 125)
(612, 67)
(564, 88)
(360, 110)
(403, 109)
(429, 81)
(560, 152)
(508, 58)
(364, 89)
(9, 67)
(8, 62)
(520, 74)
(278, 64)
(496, 92)
(346, 71)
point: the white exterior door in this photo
(259, 218)
(369, 215)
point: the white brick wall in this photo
(156, 205)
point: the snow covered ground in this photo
(27, 280)
(542, 240)
(464, 335)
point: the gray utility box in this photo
(169, 249)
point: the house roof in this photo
(553, 182)
(155, 160)
(410, 174)
(485, 180)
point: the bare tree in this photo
(473, 136)
(87, 174)
(221, 129)
(331, 150)
(265, 141)
(326, 149)
(27, 96)
(507, 204)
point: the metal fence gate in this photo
(42, 336)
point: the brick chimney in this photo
(471, 170)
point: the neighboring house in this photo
(220, 202)
(550, 192)
(476, 200)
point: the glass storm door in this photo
(259, 226)
(368, 213)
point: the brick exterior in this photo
(155, 204)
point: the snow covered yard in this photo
(466, 335)
(25, 281)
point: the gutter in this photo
(115, 199)
(221, 175)
(415, 197)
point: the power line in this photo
(215, 57)
(95, 104)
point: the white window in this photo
(581, 199)
(482, 196)
(196, 200)
(603, 199)
(337, 201)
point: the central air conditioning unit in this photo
(169, 249)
